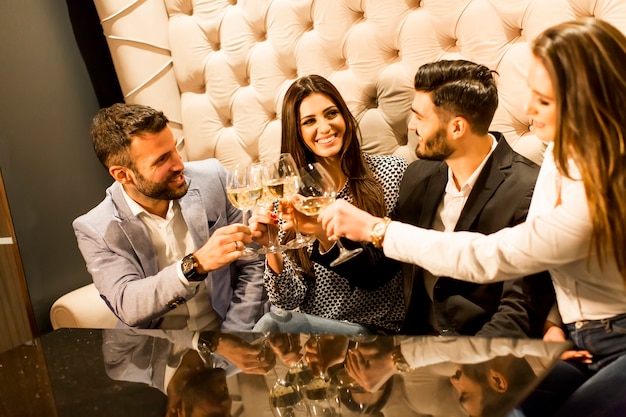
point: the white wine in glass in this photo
(283, 188)
(317, 191)
(284, 184)
(312, 206)
(267, 201)
(244, 187)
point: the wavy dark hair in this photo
(585, 59)
(366, 191)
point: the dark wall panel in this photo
(51, 174)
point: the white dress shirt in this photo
(450, 208)
(555, 237)
(434, 360)
(172, 241)
(425, 351)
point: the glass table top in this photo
(86, 372)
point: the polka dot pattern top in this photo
(328, 294)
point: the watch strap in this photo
(189, 265)
(378, 232)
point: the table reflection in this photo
(246, 374)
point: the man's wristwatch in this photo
(189, 266)
(378, 232)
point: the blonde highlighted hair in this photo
(586, 59)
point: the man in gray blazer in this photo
(163, 246)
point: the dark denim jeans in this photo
(605, 339)
(599, 389)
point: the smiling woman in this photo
(318, 128)
(322, 126)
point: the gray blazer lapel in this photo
(195, 216)
(135, 231)
(200, 215)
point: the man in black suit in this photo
(466, 178)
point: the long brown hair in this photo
(586, 59)
(367, 193)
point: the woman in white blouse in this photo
(576, 226)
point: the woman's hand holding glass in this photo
(280, 183)
(264, 229)
(318, 191)
(307, 225)
(284, 183)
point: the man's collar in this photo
(136, 208)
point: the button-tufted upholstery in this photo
(219, 68)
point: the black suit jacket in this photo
(500, 198)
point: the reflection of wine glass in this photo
(362, 338)
(299, 374)
(283, 183)
(244, 185)
(286, 400)
(320, 395)
(317, 191)
(285, 397)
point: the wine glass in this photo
(317, 191)
(271, 189)
(283, 183)
(244, 186)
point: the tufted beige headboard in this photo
(219, 68)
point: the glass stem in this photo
(271, 237)
(295, 226)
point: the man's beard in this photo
(435, 149)
(160, 190)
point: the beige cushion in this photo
(84, 308)
(219, 68)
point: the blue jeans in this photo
(605, 339)
(575, 389)
(603, 394)
(281, 321)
